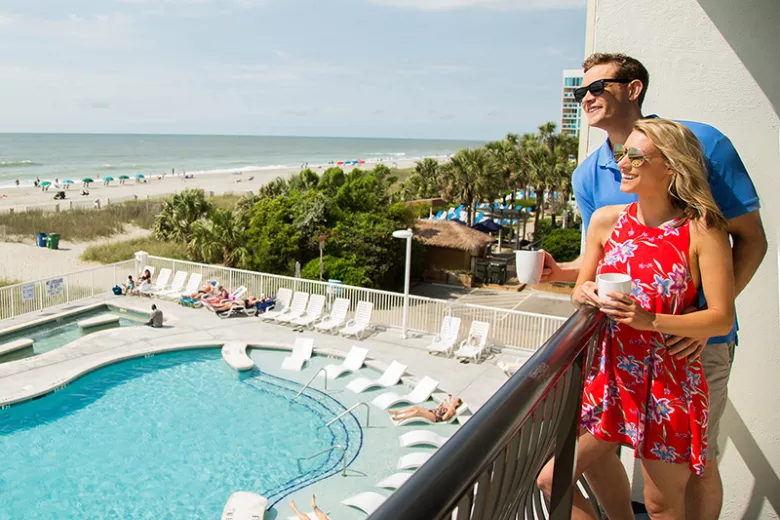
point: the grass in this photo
(124, 249)
(4, 282)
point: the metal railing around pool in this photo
(488, 468)
(507, 327)
(27, 297)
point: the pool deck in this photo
(187, 328)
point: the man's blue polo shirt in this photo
(596, 183)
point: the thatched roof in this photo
(445, 233)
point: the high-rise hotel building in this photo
(571, 112)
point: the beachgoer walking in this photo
(614, 88)
(17, 182)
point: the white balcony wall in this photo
(718, 61)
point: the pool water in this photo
(170, 436)
(55, 334)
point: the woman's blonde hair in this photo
(689, 188)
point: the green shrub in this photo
(543, 228)
(4, 282)
(345, 269)
(125, 249)
(563, 244)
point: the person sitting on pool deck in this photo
(156, 319)
(317, 511)
(129, 287)
(442, 413)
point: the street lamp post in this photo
(406, 234)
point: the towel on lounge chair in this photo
(266, 305)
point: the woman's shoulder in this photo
(701, 232)
(607, 216)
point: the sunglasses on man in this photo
(596, 88)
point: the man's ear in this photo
(635, 89)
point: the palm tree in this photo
(424, 182)
(179, 213)
(219, 238)
(469, 177)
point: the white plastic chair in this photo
(159, 285)
(368, 501)
(422, 438)
(353, 362)
(361, 322)
(394, 481)
(474, 346)
(419, 394)
(414, 460)
(391, 376)
(337, 316)
(176, 285)
(281, 303)
(193, 284)
(296, 308)
(313, 311)
(445, 342)
(301, 353)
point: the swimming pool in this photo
(170, 436)
(58, 332)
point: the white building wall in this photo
(718, 61)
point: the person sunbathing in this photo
(228, 304)
(203, 292)
(442, 413)
(317, 511)
(216, 298)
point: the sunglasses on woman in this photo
(635, 155)
(596, 88)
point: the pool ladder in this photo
(343, 457)
(342, 414)
(312, 380)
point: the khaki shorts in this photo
(716, 360)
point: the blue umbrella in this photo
(67, 181)
(139, 176)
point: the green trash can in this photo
(54, 241)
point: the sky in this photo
(456, 69)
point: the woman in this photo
(145, 281)
(216, 298)
(442, 413)
(317, 511)
(671, 242)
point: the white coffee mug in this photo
(529, 266)
(613, 282)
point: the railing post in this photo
(67, 289)
(92, 281)
(40, 292)
(564, 485)
(12, 303)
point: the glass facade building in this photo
(571, 112)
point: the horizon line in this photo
(248, 135)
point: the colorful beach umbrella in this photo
(123, 177)
(67, 181)
(340, 163)
(45, 183)
(139, 176)
(108, 179)
(86, 180)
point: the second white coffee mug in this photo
(530, 265)
(613, 282)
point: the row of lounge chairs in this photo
(473, 347)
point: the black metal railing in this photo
(488, 469)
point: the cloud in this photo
(450, 5)
(194, 7)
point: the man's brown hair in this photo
(628, 68)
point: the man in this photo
(614, 89)
(156, 319)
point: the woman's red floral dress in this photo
(636, 393)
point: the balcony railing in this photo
(488, 469)
(508, 327)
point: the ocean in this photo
(74, 156)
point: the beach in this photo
(25, 198)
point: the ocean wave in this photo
(18, 164)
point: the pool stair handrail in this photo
(312, 380)
(343, 456)
(353, 407)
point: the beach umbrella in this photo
(139, 176)
(361, 161)
(67, 181)
(45, 183)
(123, 177)
(340, 163)
(86, 180)
(108, 179)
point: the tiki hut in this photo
(450, 245)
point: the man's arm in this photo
(563, 272)
(749, 247)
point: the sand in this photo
(24, 198)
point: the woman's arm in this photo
(601, 226)
(717, 279)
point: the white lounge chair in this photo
(390, 377)
(296, 309)
(474, 346)
(394, 481)
(459, 415)
(422, 438)
(177, 284)
(368, 501)
(414, 460)
(419, 394)
(445, 342)
(313, 311)
(150, 268)
(243, 505)
(510, 367)
(281, 303)
(337, 316)
(311, 515)
(159, 285)
(234, 296)
(193, 284)
(301, 353)
(358, 325)
(354, 361)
